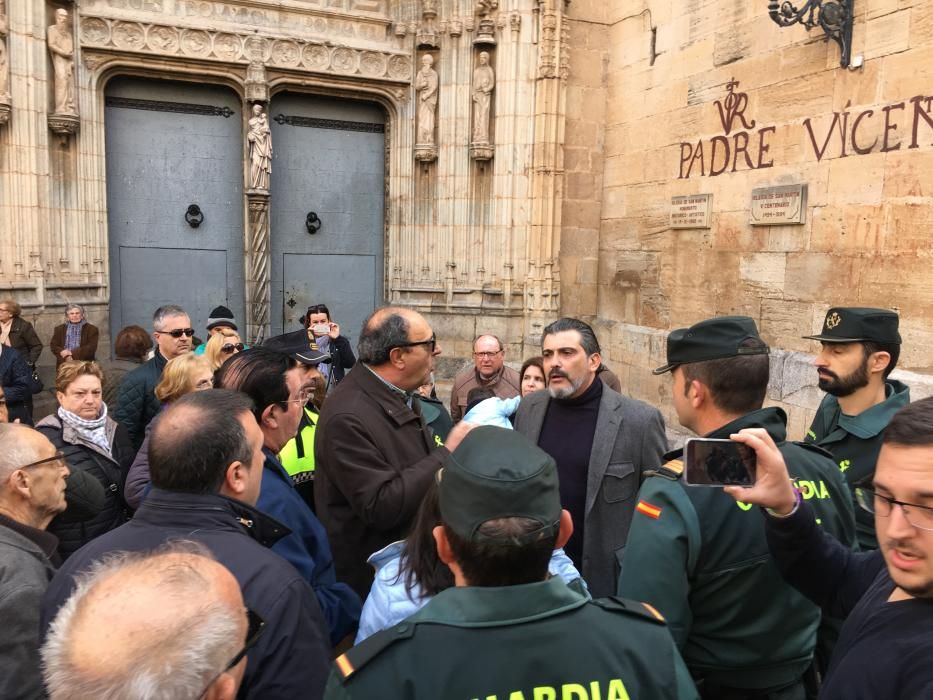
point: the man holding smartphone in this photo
(701, 559)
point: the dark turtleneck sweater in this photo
(567, 435)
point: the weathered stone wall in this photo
(867, 239)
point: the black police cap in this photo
(852, 325)
(712, 339)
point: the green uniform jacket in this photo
(855, 442)
(539, 641)
(702, 560)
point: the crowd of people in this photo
(296, 520)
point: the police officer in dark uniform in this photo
(701, 559)
(860, 348)
(506, 630)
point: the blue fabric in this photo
(389, 601)
(307, 548)
(494, 411)
(73, 334)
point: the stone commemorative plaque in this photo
(691, 211)
(779, 206)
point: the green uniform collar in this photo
(772, 419)
(475, 606)
(868, 424)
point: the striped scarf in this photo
(73, 334)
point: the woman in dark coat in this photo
(91, 442)
(18, 333)
(76, 339)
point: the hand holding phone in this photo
(714, 462)
(320, 329)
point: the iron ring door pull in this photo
(194, 216)
(312, 223)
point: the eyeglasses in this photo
(227, 348)
(254, 628)
(303, 397)
(920, 517)
(179, 332)
(57, 457)
(431, 342)
(485, 355)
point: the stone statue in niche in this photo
(484, 82)
(61, 46)
(426, 84)
(259, 138)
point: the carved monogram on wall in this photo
(98, 32)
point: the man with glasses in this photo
(173, 619)
(136, 401)
(275, 383)
(205, 461)
(886, 595)
(374, 455)
(32, 492)
(488, 371)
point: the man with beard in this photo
(860, 349)
(886, 595)
(602, 443)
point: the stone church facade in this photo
(494, 164)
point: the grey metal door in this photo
(170, 146)
(329, 161)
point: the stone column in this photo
(4, 68)
(258, 233)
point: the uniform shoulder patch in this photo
(634, 608)
(356, 658)
(813, 447)
(672, 470)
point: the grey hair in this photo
(587, 336)
(16, 451)
(164, 312)
(80, 308)
(376, 342)
(175, 664)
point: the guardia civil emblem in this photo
(833, 320)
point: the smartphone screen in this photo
(320, 328)
(710, 462)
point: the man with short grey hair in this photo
(489, 371)
(32, 492)
(164, 624)
(136, 401)
(601, 441)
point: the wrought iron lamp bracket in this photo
(834, 17)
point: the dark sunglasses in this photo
(179, 332)
(230, 347)
(255, 626)
(431, 342)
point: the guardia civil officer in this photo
(506, 631)
(860, 348)
(701, 559)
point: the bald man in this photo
(32, 492)
(173, 620)
(375, 455)
(488, 371)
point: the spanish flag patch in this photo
(646, 508)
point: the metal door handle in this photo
(194, 216)
(312, 223)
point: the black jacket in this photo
(16, 380)
(72, 530)
(292, 657)
(136, 400)
(25, 341)
(342, 357)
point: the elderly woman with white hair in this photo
(76, 339)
